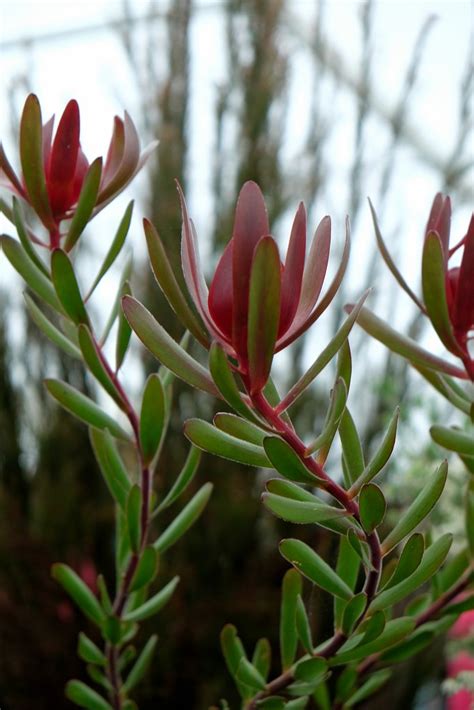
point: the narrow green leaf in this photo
(225, 382)
(410, 559)
(185, 477)
(85, 697)
(123, 331)
(240, 428)
(372, 627)
(372, 506)
(183, 521)
(79, 592)
(418, 510)
(433, 558)
(394, 632)
(284, 459)
(207, 437)
(92, 357)
(33, 276)
(371, 686)
(146, 569)
(351, 446)
(111, 465)
(297, 704)
(381, 456)
(50, 330)
(321, 697)
(83, 408)
(263, 311)
(303, 627)
(165, 349)
(31, 157)
(312, 566)
(115, 247)
(233, 652)
(324, 358)
(291, 589)
(104, 595)
(453, 570)
(402, 345)
(114, 311)
(141, 664)
(249, 675)
(408, 648)
(154, 604)
(347, 568)
(152, 417)
(444, 385)
(25, 239)
(434, 291)
(67, 288)
(453, 439)
(335, 411)
(345, 684)
(89, 652)
(352, 612)
(262, 657)
(85, 205)
(296, 511)
(167, 282)
(134, 509)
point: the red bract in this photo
(257, 305)
(55, 170)
(457, 282)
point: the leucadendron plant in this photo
(394, 589)
(65, 193)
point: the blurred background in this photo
(326, 102)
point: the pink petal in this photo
(440, 220)
(293, 271)
(464, 304)
(63, 159)
(47, 140)
(114, 182)
(250, 224)
(115, 151)
(221, 293)
(8, 177)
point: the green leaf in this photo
(50, 330)
(31, 157)
(183, 521)
(93, 358)
(394, 632)
(85, 697)
(372, 506)
(359, 546)
(381, 456)
(445, 386)
(111, 465)
(134, 511)
(262, 657)
(263, 311)
(125, 276)
(453, 571)
(312, 566)
(152, 417)
(79, 592)
(154, 604)
(324, 358)
(408, 648)
(371, 686)
(433, 279)
(453, 440)
(418, 510)
(225, 382)
(410, 559)
(321, 697)
(33, 276)
(89, 652)
(309, 673)
(234, 653)
(83, 408)
(469, 513)
(297, 704)
(284, 459)
(67, 289)
(104, 595)
(123, 331)
(296, 511)
(165, 349)
(240, 428)
(25, 238)
(146, 569)
(249, 675)
(351, 447)
(184, 479)
(85, 205)
(433, 558)
(352, 612)
(167, 281)
(347, 568)
(141, 664)
(303, 627)
(372, 627)
(291, 589)
(335, 411)
(402, 345)
(115, 247)
(207, 437)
